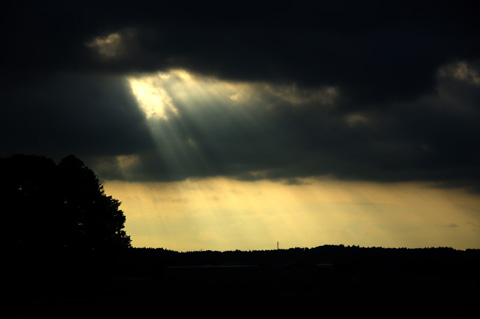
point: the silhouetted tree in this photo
(61, 207)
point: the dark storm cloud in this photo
(59, 114)
(396, 117)
(370, 48)
(267, 136)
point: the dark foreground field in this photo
(328, 280)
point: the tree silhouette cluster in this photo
(61, 207)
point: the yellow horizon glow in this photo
(226, 214)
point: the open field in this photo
(345, 281)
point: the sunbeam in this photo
(185, 114)
(190, 116)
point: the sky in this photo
(224, 125)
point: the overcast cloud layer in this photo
(358, 90)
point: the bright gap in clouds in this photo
(154, 92)
(152, 97)
(157, 93)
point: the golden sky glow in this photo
(226, 214)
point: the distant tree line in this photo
(338, 255)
